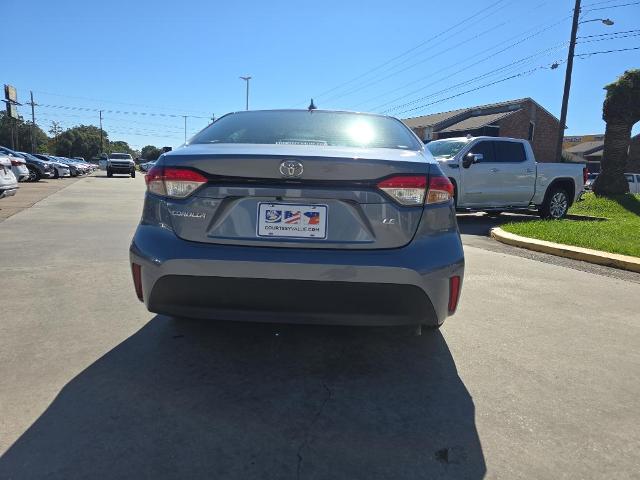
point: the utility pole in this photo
(246, 79)
(567, 80)
(101, 144)
(185, 128)
(33, 123)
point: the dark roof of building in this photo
(586, 148)
(479, 121)
(434, 119)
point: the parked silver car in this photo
(300, 216)
(8, 181)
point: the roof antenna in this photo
(312, 106)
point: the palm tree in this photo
(621, 109)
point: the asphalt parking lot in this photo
(31, 193)
(536, 376)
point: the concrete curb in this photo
(615, 260)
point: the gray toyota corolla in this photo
(301, 217)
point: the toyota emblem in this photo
(291, 169)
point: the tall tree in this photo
(149, 152)
(23, 130)
(81, 141)
(621, 109)
(121, 147)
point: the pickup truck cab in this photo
(496, 174)
(121, 163)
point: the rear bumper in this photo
(8, 191)
(402, 286)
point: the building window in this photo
(532, 131)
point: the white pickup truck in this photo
(496, 174)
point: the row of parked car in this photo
(633, 179)
(25, 167)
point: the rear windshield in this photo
(120, 156)
(309, 128)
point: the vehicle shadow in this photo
(480, 224)
(195, 399)
(116, 175)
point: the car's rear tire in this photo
(556, 204)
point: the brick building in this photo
(522, 118)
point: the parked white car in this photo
(501, 174)
(19, 168)
(634, 182)
(8, 181)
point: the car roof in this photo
(318, 110)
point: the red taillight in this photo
(405, 189)
(174, 182)
(136, 271)
(15, 163)
(585, 175)
(440, 190)
(454, 293)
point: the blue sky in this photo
(404, 58)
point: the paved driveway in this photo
(537, 376)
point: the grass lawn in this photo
(619, 234)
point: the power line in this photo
(480, 77)
(606, 34)
(608, 38)
(392, 74)
(406, 52)
(118, 103)
(471, 90)
(607, 51)
(120, 112)
(599, 3)
(481, 60)
(611, 6)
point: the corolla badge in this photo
(180, 213)
(291, 168)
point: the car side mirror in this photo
(471, 158)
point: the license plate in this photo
(292, 221)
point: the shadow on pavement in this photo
(193, 399)
(115, 175)
(480, 224)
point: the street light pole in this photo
(101, 141)
(567, 78)
(185, 128)
(246, 79)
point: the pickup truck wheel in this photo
(109, 173)
(556, 204)
(133, 174)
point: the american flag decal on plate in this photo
(292, 216)
(292, 220)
